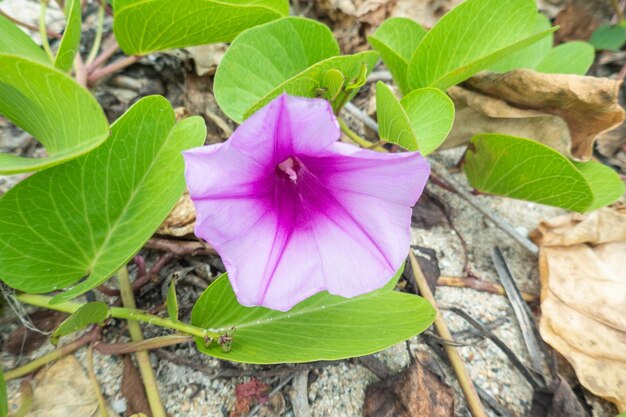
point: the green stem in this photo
(121, 313)
(98, 39)
(143, 357)
(353, 135)
(42, 28)
(356, 138)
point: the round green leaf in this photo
(266, 56)
(15, 42)
(528, 170)
(71, 37)
(608, 37)
(420, 122)
(607, 187)
(568, 58)
(530, 56)
(431, 114)
(53, 108)
(334, 82)
(84, 219)
(308, 83)
(396, 40)
(90, 313)
(323, 327)
(471, 37)
(144, 26)
(292, 55)
(393, 122)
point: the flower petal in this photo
(309, 125)
(342, 223)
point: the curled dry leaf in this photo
(583, 290)
(414, 392)
(206, 58)
(64, 390)
(133, 390)
(564, 111)
(181, 220)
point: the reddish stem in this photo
(104, 56)
(112, 68)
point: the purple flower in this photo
(293, 212)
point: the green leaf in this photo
(266, 56)
(290, 55)
(431, 113)
(15, 42)
(90, 313)
(528, 170)
(71, 38)
(530, 56)
(171, 302)
(145, 26)
(420, 122)
(568, 58)
(323, 327)
(396, 40)
(471, 37)
(608, 37)
(53, 108)
(333, 82)
(360, 79)
(86, 218)
(393, 122)
(606, 186)
(308, 82)
(4, 401)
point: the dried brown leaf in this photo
(478, 113)
(181, 220)
(414, 392)
(557, 400)
(583, 290)
(429, 212)
(206, 57)
(24, 341)
(564, 111)
(64, 390)
(580, 18)
(133, 390)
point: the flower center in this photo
(290, 168)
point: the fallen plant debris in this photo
(181, 220)
(249, 393)
(566, 112)
(557, 400)
(63, 390)
(25, 340)
(416, 391)
(581, 268)
(133, 390)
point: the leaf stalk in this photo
(143, 357)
